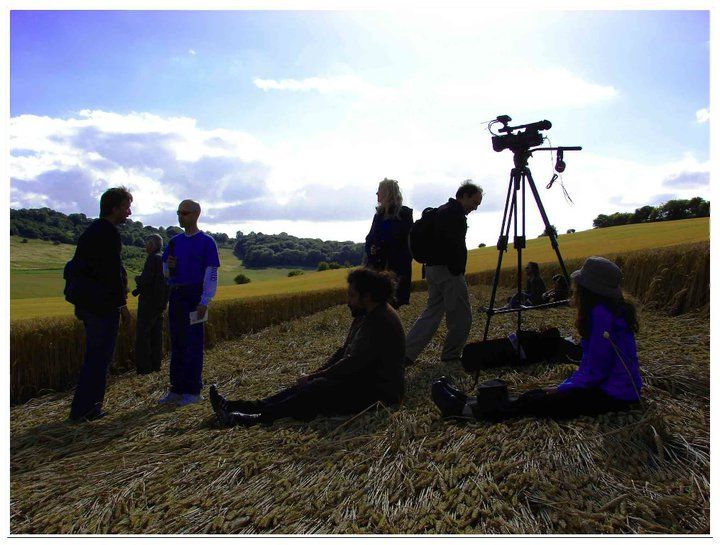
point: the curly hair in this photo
(380, 285)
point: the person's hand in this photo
(201, 310)
(171, 261)
(125, 314)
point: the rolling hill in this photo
(32, 268)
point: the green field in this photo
(275, 281)
(36, 269)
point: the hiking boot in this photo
(216, 400)
(170, 397)
(189, 399)
(229, 419)
(450, 405)
(450, 387)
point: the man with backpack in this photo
(438, 241)
(96, 283)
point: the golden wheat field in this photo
(45, 354)
(611, 240)
(150, 469)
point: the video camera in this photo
(520, 141)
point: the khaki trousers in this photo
(447, 296)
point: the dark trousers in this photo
(100, 335)
(186, 341)
(319, 396)
(559, 405)
(148, 338)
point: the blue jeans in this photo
(186, 341)
(100, 335)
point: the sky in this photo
(285, 121)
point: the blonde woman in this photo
(386, 245)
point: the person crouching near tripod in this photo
(608, 377)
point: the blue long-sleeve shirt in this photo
(600, 366)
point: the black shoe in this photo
(450, 387)
(448, 403)
(217, 401)
(229, 419)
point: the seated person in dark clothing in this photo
(534, 288)
(608, 377)
(560, 290)
(367, 369)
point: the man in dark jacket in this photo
(153, 291)
(445, 274)
(367, 369)
(100, 300)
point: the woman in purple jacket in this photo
(608, 377)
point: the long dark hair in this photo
(585, 300)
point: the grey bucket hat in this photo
(601, 276)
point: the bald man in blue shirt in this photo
(190, 263)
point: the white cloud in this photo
(161, 160)
(548, 88)
(192, 52)
(540, 89)
(333, 84)
(323, 186)
(702, 115)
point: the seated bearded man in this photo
(367, 369)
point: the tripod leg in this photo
(553, 238)
(519, 245)
(511, 201)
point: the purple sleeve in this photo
(212, 259)
(597, 361)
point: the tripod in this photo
(514, 213)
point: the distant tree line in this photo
(678, 209)
(283, 250)
(47, 224)
(255, 249)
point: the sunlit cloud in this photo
(242, 183)
(326, 85)
(702, 115)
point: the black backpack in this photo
(82, 287)
(423, 236)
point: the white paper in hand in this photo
(194, 317)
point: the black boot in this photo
(448, 403)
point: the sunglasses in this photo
(183, 212)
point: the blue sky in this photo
(286, 121)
